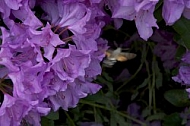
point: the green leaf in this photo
(113, 121)
(146, 112)
(106, 82)
(177, 97)
(158, 14)
(158, 74)
(157, 116)
(172, 120)
(98, 97)
(159, 80)
(53, 115)
(98, 116)
(158, 5)
(134, 95)
(180, 51)
(145, 82)
(106, 76)
(121, 120)
(77, 113)
(182, 27)
(117, 120)
(46, 122)
(184, 121)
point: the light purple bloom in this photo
(7, 6)
(13, 110)
(184, 70)
(70, 63)
(85, 44)
(183, 75)
(27, 81)
(13, 4)
(34, 115)
(141, 12)
(25, 14)
(76, 90)
(186, 57)
(172, 10)
(66, 15)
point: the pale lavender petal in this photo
(144, 23)
(183, 75)
(172, 10)
(27, 16)
(13, 4)
(13, 110)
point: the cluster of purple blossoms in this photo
(165, 48)
(50, 64)
(184, 71)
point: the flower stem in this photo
(119, 113)
(70, 120)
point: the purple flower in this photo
(13, 4)
(13, 110)
(22, 11)
(184, 70)
(70, 63)
(85, 44)
(165, 48)
(141, 12)
(7, 6)
(172, 10)
(34, 115)
(14, 46)
(46, 39)
(51, 84)
(97, 48)
(66, 99)
(144, 23)
(76, 90)
(27, 82)
(66, 15)
(183, 75)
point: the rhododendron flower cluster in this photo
(51, 59)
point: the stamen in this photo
(67, 39)
(56, 28)
(3, 78)
(63, 30)
(52, 26)
(3, 90)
